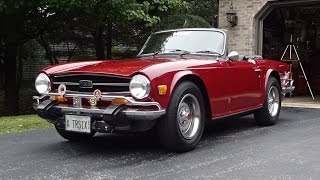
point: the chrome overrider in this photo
(288, 89)
(48, 108)
(287, 83)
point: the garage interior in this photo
(303, 23)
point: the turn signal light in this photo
(162, 90)
(60, 99)
(119, 101)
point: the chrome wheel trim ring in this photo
(273, 101)
(188, 116)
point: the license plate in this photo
(80, 124)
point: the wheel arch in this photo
(263, 116)
(270, 73)
(198, 82)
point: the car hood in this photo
(114, 67)
(125, 67)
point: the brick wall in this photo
(242, 36)
(32, 66)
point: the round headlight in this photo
(139, 87)
(42, 83)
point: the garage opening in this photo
(303, 23)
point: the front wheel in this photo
(269, 113)
(182, 128)
(74, 137)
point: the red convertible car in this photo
(180, 79)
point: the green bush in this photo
(124, 53)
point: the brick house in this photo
(264, 27)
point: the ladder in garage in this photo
(292, 48)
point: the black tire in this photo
(75, 137)
(169, 128)
(263, 116)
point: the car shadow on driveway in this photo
(221, 129)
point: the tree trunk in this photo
(71, 53)
(11, 87)
(109, 40)
(44, 43)
(99, 42)
(19, 72)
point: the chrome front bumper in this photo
(104, 97)
(288, 90)
(55, 112)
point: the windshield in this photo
(190, 41)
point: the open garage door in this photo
(277, 22)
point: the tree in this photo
(13, 15)
(22, 20)
(207, 9)
(118, 16)
(182, 21)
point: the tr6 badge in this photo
(85, 84)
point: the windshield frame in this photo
(188, 29)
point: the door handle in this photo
(257, 70)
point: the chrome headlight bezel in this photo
(140, 87)
(42, 83)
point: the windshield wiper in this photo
(156, 53)
(209, 52)
(183, 52)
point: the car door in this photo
(245, 84)
(219, 90)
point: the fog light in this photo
(162, 90)
(119, 101)
(60, 99)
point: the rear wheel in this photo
(269, 113)
(75, 137)
(183, 126)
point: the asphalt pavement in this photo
(230, 149)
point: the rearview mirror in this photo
(233, 56)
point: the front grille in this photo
(105, 83)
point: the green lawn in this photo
(13, 124)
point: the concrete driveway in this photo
(230, 149)
(302, 102)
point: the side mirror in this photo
(233, 56)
